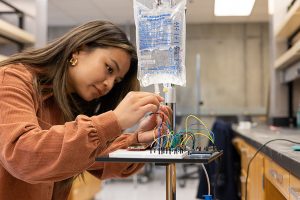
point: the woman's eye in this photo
(109, 69)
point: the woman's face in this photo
(96, 71)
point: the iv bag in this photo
(160, 41)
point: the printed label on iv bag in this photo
(160, 32)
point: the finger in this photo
(145, 94)
(149, 100)
(166, 118)
(162, 117)
(149, 119)
(169, 110)
(165, 109)
(149, 108)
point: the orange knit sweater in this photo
(38, 151)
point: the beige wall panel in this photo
(254, 91)
(234, 62)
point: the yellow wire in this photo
(169, 134)
(187, 137)
(157, 139)
(198, 134)
(201, 122)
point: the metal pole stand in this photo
(170, 100)
(171, 181)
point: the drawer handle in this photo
(243, 179)
(273, 173)
(244, 150)
(278, 177)
(249, 156)
(295, 192)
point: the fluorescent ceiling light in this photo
(233, 7)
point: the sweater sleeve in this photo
(35, 155)
(105, 170)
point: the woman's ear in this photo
(74, 59)
(75, 54)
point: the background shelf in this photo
(14, 33)
(290, 23)
(2, 57)
(289, 57)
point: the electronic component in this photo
(123, 153)
(206, 150)
(138, 147)
(141, 151)
(200, 153)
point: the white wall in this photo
(234, 69)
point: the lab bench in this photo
(275, 171)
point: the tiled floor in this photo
(151, 190)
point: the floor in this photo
(141, 188)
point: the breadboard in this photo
(123, 153)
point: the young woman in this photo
(63, 105)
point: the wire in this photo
(158, 138)
(159, 127)
(180, 138)
(187, 139)
(207, 178)
(201, 122)
(258, 150)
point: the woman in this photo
(67, 103)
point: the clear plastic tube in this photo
(207, 178)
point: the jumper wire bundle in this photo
(183, 139)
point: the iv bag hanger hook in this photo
(158, 3)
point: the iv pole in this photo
(170, 100)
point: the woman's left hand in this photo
(148, 129)
(153, 120)
(150, 136)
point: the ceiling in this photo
(121, 12)
(72, 12)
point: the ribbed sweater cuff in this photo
(107, 126)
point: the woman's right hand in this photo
(134, 106)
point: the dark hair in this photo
(51, 65)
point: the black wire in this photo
(258, 150)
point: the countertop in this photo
(279, 151)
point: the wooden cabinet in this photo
(267, 179)
(85, 189)
(278, 176)
(294, 188)
(255, 178)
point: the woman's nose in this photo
(109, 83)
